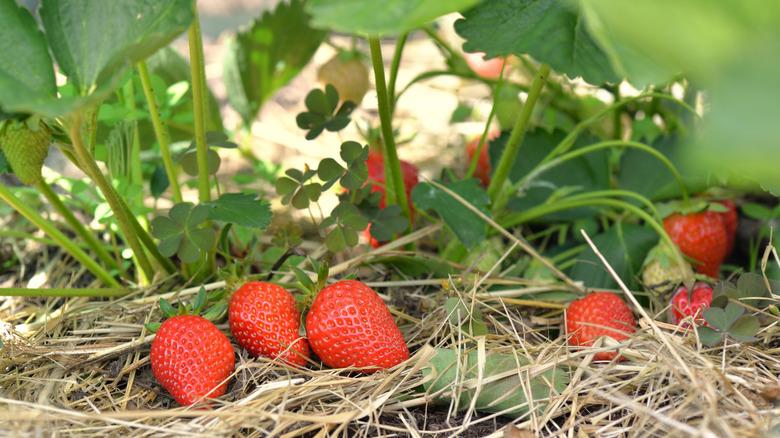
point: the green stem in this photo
(113, 199)
(136, 171)
(77, 226)
(85, 259)
(484, 137)
(518, 133)
(65, 292)
(199, 108)
(394, 67)
(160, 131)
(395, 184)
(584, 201)
(545, 166)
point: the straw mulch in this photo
(80, 367)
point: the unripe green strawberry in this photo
(26, 148)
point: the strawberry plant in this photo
(591, 123)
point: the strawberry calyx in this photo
(195, 307)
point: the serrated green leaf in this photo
(264, 57)
(381, 17)
(96, 42)
(745, 328)
(709, 336)
(468, 227)
(245, 210)
(450, 369)
(552, 31)
(27, 79)
(203, 238)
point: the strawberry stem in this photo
(159, 131)
(518, 133)
(198, 105)
(395, 184)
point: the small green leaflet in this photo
(245, 210)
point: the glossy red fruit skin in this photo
(264, 320)
(350, 326)
(682, 304)
(592, 317)
(700, 236)
(376, 175)
(191, 357)
(488, 69)
(730, 222)
(482, 171)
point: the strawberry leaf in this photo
(263, 57)
(380, 17)
(552, 31)
(27, 82)
(242, 209)
(468, 227)
(95, 43)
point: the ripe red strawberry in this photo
(264, 320)
(729, 219)
(482, 171)
(683, 304)
(376, 175)
(350, 326)
(192, 358)
(347, 73)
(700, 236)
(488, 69)
(599, 314)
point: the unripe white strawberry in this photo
(661, 271)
